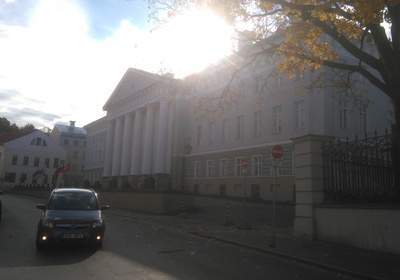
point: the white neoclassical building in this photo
(152, 119)
(138, 144)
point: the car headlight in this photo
(47, 223)
(98, 223)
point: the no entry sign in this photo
(277, 151)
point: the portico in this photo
(139, 144)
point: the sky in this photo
(60, 60)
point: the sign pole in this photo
(274, 208)
(244, 224)
(277, 153)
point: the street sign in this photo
(277, 151)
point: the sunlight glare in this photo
(193, 41)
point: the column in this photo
(136, 143)
(148, 141)
(126, 145)
(116, 161)
(109, 148)
(162, 138)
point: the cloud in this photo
(57, 68)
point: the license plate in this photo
(72, 235)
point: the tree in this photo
(7, 127)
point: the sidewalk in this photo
(218, 219)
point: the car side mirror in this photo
(41, 206)
(104, 207)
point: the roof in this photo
(8, 137)
(71, 129)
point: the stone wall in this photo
(370, 228)
(363, 226)
(152, 202)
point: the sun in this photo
(194, 40)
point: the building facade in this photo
(137, 143)
(28, 159)
(73, 140)
(95, 150)
(198, 134)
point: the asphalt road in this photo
(133, 249)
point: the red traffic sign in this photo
(245, 162)
(277, 151)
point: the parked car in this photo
(71, 216)
(1, 192)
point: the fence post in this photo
(309, 181)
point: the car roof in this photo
(73, 190)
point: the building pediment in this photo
(133, 82)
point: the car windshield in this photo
(73, 201)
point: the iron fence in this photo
(359, 171)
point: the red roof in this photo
(5, 138)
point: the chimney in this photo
(72, 123)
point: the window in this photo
(211, 132)
(343, 114)
(22, 178)
(277, 119)
(9, 177)
(36, 162)
(199, 128)
(257, 123)
(26, 161)
(14, 160)
(196, 169)
(240, 127)
(278, 80)
(209, 168)
(299, 114)
(223, 167)
(47, 162)
(238, 166)
(76, 143)
(65, 141)
(225, 126)
(56, 162)
(256, 165)
(363, 118)
(74, 154)
(38, 142)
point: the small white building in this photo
(73, 140)
(24, 153)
